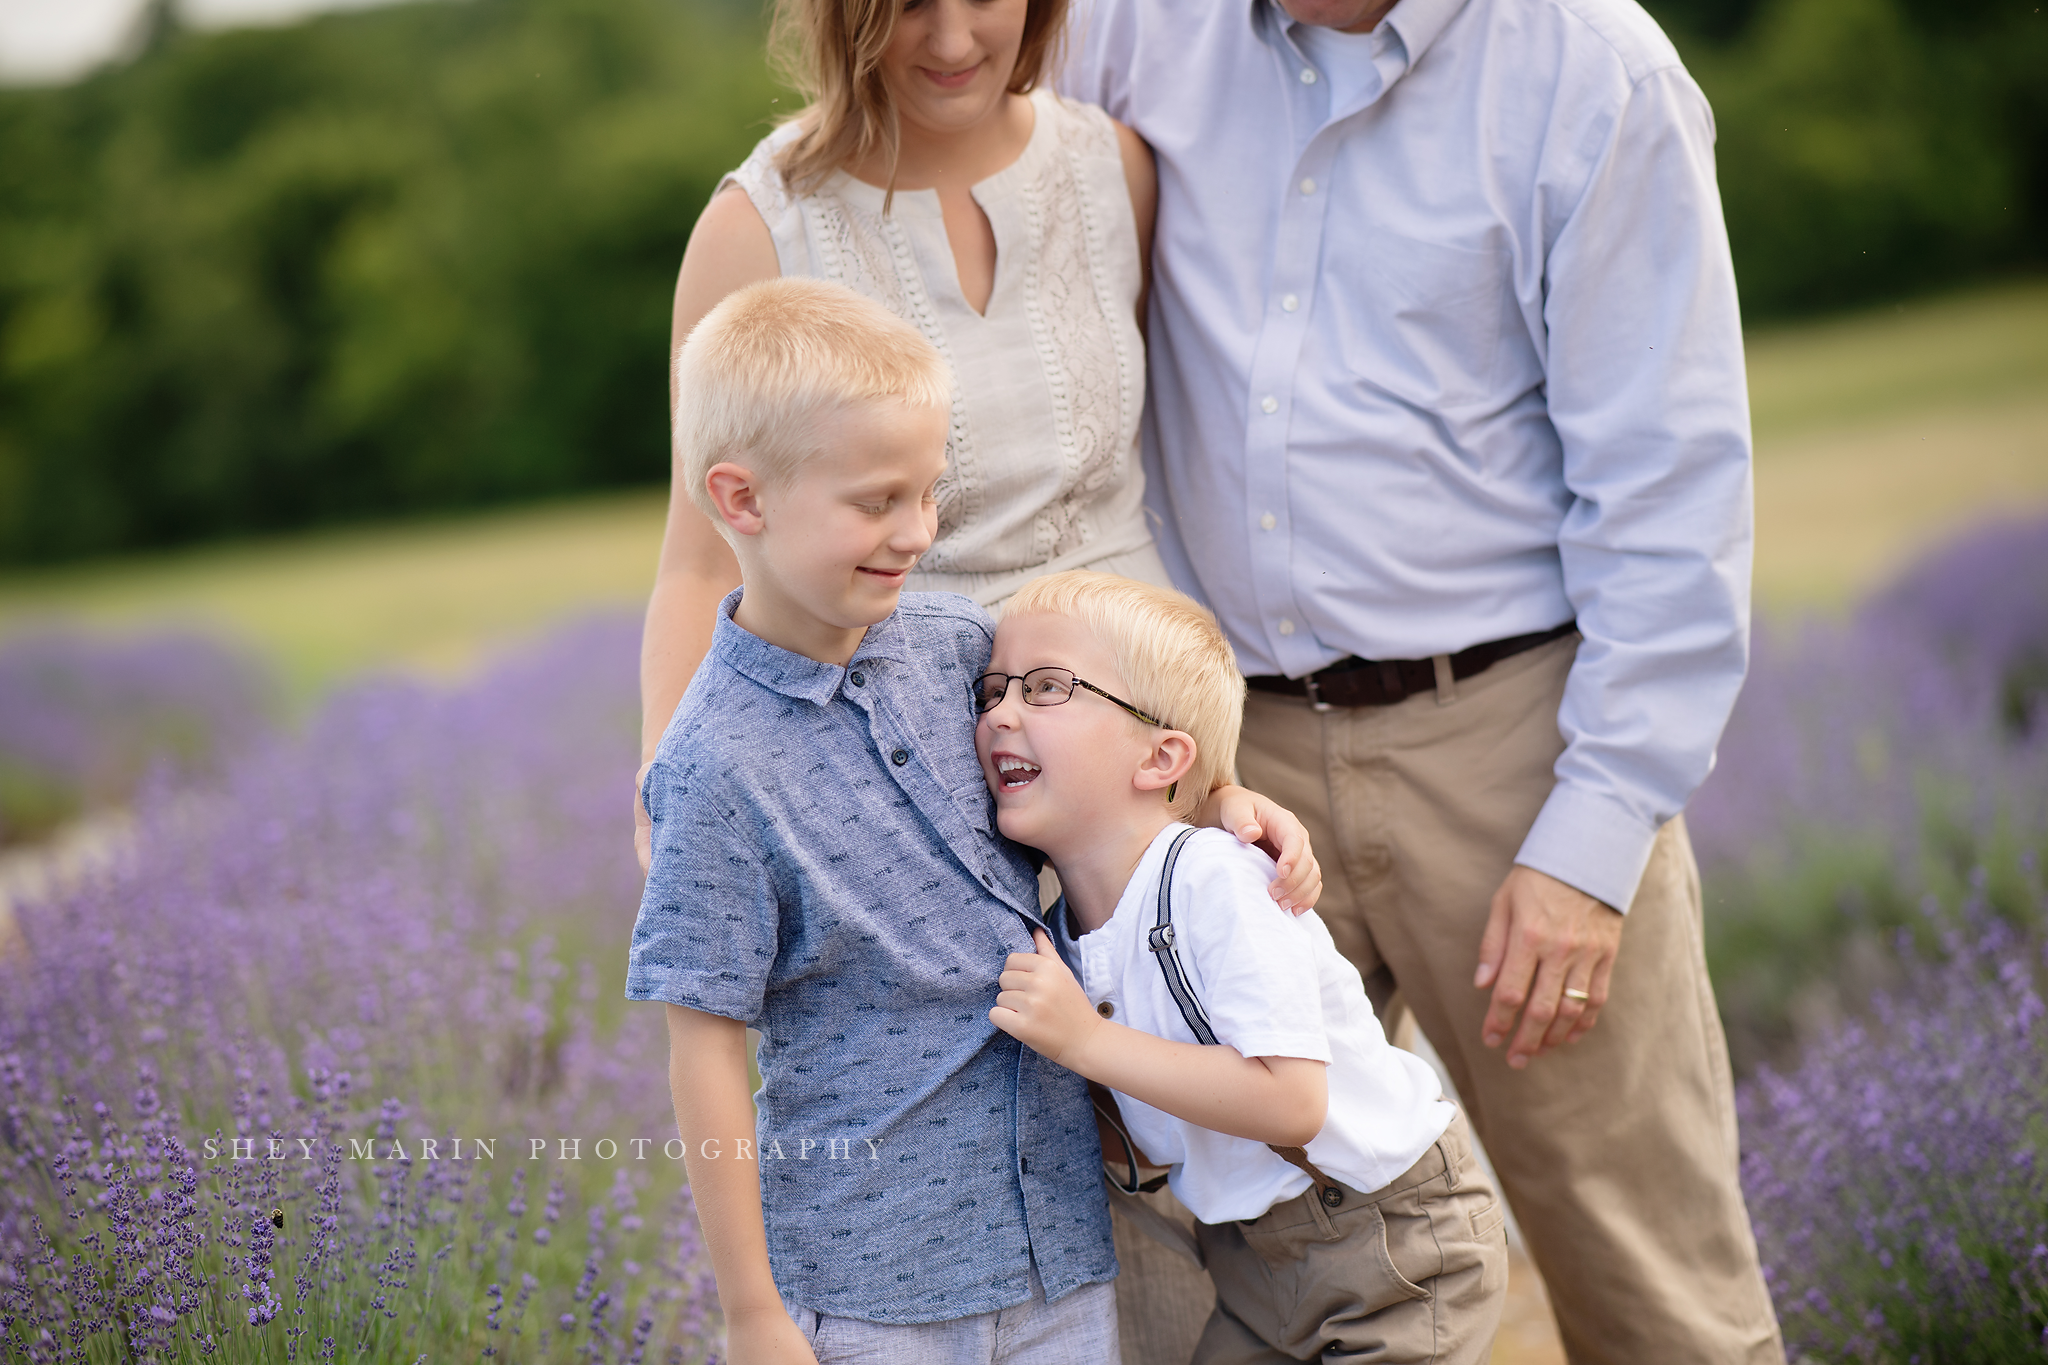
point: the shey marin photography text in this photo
(748, 1148)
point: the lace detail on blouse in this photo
(1049, 383)
(1087, 366)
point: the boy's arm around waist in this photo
(709, 1082)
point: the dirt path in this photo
(1528, 1334)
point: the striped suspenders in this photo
(1161, 941)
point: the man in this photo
(1450, 430)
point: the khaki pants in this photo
(1617, 1153)
(1414, 1272)
(1163, 1296)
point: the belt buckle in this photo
(1315, 694)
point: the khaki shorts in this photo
(1415, 1271)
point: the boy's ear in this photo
(736, 492)
(1167, 762)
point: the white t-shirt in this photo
(1348, 62)
(1273, 985)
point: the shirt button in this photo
(1106, 1010)
(1268, 522)
(1291, 302)
(1308, 184)
(1269, 404)
(1308, 75)
(857, 680)
(900, 757)
(1286, 626)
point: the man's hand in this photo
(765, 1336)
(643, 824)
(1544, 938)
(1041, 1005)
(1259, 820)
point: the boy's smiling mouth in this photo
(1013, 773)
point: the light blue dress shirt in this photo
(1456, 360)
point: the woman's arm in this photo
(1141, 177)
(1279, 1100)
(730, 248)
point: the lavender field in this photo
(330, 1062)
(1872, 845)
(83, 722)
(1873, 763)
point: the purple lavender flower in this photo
(82, 718)
(1870, 763)
(375, 906)
(1894, 1176)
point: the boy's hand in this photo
(1259, 820)
(1041, 1005)
(765, 1336)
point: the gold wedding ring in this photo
(1572, 993)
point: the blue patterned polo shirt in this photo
(827, 869)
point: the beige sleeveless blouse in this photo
(1042, 468)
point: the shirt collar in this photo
(794, 675)
(1416, 24)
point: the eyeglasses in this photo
(1044, 687)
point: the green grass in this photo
(429, 596)
(1877, 433)
(1881, 433)
(1985, 348)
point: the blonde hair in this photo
(1173, 658)
(763, 366)
(830, 51)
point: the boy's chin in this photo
(869, 608)
(1015, 825)
(874, 602)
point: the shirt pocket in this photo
(1433, 320)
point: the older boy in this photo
(1341, 1211)
(825, 867)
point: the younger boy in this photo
(1340, 1210)
(826, 868)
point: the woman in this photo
(935, 172)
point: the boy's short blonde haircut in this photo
(1173, 658)
(763, 366)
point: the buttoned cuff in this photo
(1592, 842)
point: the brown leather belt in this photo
(1382, 682)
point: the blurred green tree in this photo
(421, 257)
(407, 258)
(1870, 149)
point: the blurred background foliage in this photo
(1872, 148)
(420, 257)
(409, 258)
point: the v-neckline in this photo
(925, 203)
